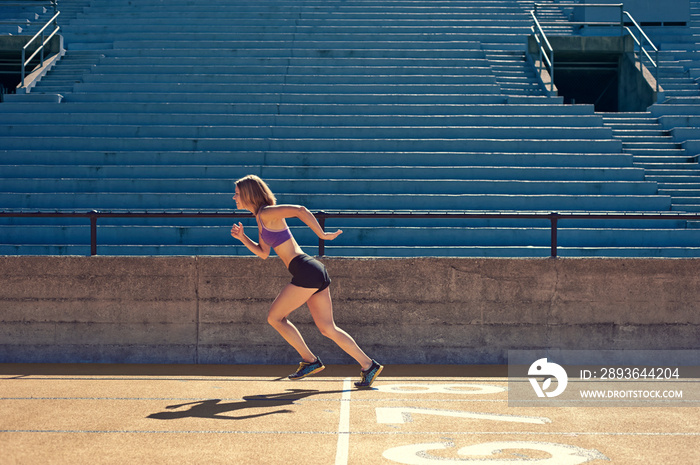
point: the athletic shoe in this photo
(308, 368)
(369, 375)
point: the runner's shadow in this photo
(214, 409)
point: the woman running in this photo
(310, 280)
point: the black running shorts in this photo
(309, 273)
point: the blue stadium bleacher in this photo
(24, 17)
(356, 105)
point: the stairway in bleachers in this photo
(353, 105)
(24, 17)
(664, 160)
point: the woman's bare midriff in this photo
(288, 250)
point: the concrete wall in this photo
(15, 44)
(213, 309)
(636, 87)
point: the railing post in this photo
(541, 65)
(24, 55)
(93, 232)
(656, 71)
(622, 19)
(551, 70)
(321, 242)
(41, 55)
(553, 217)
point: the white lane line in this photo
(341, 455)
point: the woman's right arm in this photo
(261, 249)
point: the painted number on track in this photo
(397, 415)
(495, 453)
(461, 388)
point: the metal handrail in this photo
(621, 24)
(545, 53)
(41, 48)
(553, 218)
(655, 63)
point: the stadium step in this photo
(490, 202)
(248, 133)
(136, 163)
(73, 68)
(214, 110)
(34, 121)
(398, 186)
(121, 143)
(465, 172)
(513, 73)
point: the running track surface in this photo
(173, 414)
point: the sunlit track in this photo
(103, 414)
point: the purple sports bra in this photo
(274, 238)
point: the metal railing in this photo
(546, 51)
(640, 43)
(553, 218)
(40, 49)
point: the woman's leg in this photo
(321, 308)
(288, 300)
